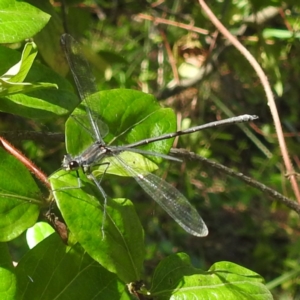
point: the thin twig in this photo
(173, 23)
(250, 181)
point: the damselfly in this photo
(169, 198)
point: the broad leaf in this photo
(52, 270)
(115, 241)
(20, 198)
(20, 20)
(175, 277)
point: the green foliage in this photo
(19, 20)
(115, 248)
(135, 241)
(224, 279)
(53, 270)
(7, 274)
(36, 99)
(19, 205)
(37, 233)
(12, 80)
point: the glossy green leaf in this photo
(129, 115)
(121, 249)
(12, 81)
(175, 277)
(19, 71)
(8, 280)
(38, 233)
(20, 198)
(23, 87)
(41, 103)
(52, 270)
(19, 20)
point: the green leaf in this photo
(42, 103)
(279, 33)
(18, 72)
(52, 270)
(121, 249)
(12, 81)
(175, 277)
(19, 198)
(50, 49)
(37, 233)
(130, 116)
(8, 282)
(24, 87)
(20, 20)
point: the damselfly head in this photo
(69, 164)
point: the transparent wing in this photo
(85, 82)
(174, 203)
(170, 199)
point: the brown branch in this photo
(172, 23)
(250, 181)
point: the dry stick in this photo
(274, 194)
(25, 161)
(173, 23)
(265, 83)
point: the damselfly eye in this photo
(73, 165)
